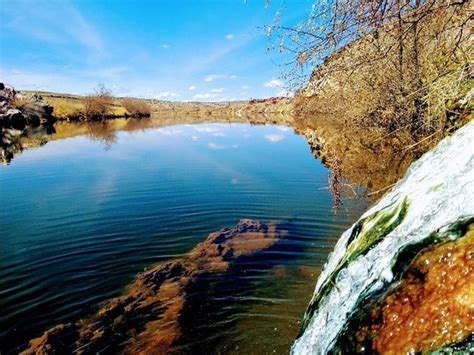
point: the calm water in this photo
(79, 217)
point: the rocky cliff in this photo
(401, 279)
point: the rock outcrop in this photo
(401, 279)
(146, 319)
(7, 95)
(22, 109)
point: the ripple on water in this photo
(79, 222)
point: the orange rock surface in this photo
(434, 305)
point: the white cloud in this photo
(216, 91)
(274, 83)
(274, 137)
(165, 46)
(229, 36)
(233, 77)
(245, 87)
(194, 138)
(192, 88)
(165, 95)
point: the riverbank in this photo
(72, 108)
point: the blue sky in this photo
(164, 49)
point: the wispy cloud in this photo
(215, 54)
(192, 88)
(165, 46)
(229, 36)
(54, 23)
(217, 91)
(213, 77)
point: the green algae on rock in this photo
(428, 206)
(365, 234)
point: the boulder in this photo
(7, 94)
(38, 111)
(401, 279)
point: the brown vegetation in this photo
(394, 64)
(21, 101)
(98, 105)
(136, 107)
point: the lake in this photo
(80, 216)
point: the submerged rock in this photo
(401, 278)
(146, 319)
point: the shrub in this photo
(136, 107)
(98, 104)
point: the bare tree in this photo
(98, 104)
(399, 49)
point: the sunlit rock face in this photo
(401, 278)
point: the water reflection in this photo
(102, 132)
(363, 163)
(14, 140)
(104, 200)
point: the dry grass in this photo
(69, 107)
(136, 107)
(65, 106)
(363, 83)
(20, 101)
